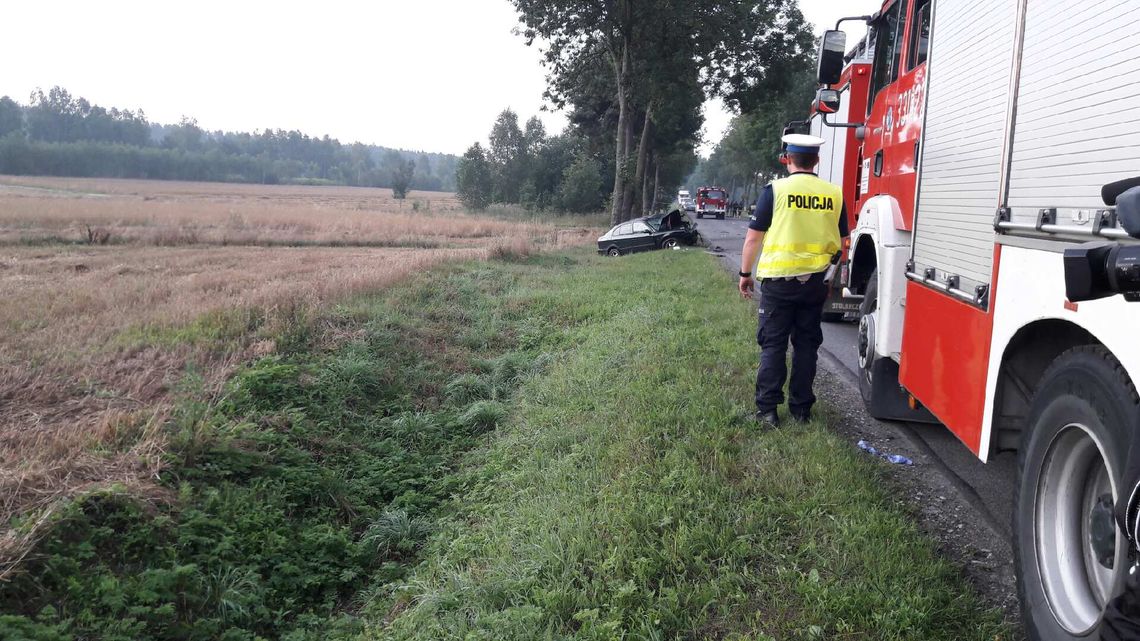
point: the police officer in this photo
(796, 230)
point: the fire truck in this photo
(994, 162)
(712, 201)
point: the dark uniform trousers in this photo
(789, 309)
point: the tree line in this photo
(525, 166)
(636, 73)
(58, 134)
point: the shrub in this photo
(482, 416)
(395, 533)
(467, 388)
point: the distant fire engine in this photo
(712, 201)
(991, 151)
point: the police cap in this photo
(802, 143)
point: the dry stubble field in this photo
(99, 276)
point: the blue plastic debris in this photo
(867, 447)
(897, 459)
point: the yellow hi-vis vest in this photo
(804, 233)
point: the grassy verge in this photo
(554, 448)
(631, 498)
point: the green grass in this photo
(550, 448)
(630, 496)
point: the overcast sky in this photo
(414, 74)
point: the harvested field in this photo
(72, 210)
(96, 338)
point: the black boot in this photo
(768, 419)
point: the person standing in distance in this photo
(795, 231)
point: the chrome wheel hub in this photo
(1074, 493)
(866, 345)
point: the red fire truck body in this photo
(991, 260)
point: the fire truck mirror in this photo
(831, 50)
(827, 101)
(1128, 211)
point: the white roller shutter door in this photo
(1077, 127)
(971, 61)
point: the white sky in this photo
(425, 74)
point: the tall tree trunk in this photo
(630, 190)
(638, 204)
(648, 198)
(656, 178)
(618, 205)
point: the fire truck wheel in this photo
(1069, 468)
(866, 337)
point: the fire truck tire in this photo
(1069, 466)
(879, 385)
(720, 216)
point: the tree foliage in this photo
(474, 179)
(748, 155)
(63, 135)
(527, 167)
(656, 55)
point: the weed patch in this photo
(313, 478)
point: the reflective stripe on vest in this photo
(804, 233)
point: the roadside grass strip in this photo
(556, 447)
(629, 495)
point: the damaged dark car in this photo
(661, 231)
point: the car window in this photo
(640, 227)
(624, 230)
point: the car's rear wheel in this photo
(1070, 558)
(670, 243)
(613, 251)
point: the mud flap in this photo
(885, 398)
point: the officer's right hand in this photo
(747, 286)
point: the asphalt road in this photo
(988, 487)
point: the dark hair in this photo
(806, 161)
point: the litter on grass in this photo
(897, 459)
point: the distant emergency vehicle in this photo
(712, 201)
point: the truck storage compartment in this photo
(1076, 126)
(968, 101)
